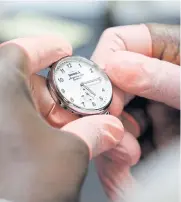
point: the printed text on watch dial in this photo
(83, 85)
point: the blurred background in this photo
(82, 22)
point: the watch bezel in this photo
(59, 97)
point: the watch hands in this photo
(92, 81)
(88, 89)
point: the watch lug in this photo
(107, 112)
(63, 105)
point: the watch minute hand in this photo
(91, 81)
(87, 88)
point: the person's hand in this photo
(54, 48)
(38, 162)
(140, 60)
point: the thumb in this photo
(99, 132)
(146, 77)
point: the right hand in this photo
(128, 55)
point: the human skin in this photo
(38, 162)
(117, 49)
(140, 60)
(153, 40)
(114, 165)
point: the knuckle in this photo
(109, 32)
(110, 118)
(114, 121)
(12, 54)
(11, 47)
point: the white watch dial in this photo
(82, 83)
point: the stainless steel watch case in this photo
(59, 98)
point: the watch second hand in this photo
(87, 88)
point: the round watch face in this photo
(82, 85)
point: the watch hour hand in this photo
(88, 89)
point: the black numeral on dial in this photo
(62, 90)
(61, 79)
(83, 104)
(103, 90)
(80, 65)
(71, 99)
(91, 70)
(62, 70)
(69, 65)
(101, 98)
(94, 104)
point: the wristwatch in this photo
(80, 86)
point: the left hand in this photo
(41, 52)
(38, 162)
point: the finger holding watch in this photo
(126, 54)
(36, 159)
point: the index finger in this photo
(155, 40)
(134, 38)
(42, 51)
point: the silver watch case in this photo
(59, 98)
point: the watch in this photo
(80, 86)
